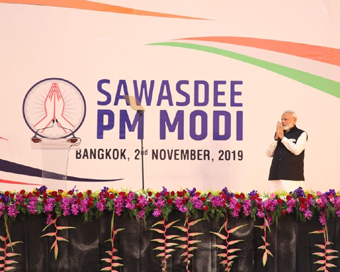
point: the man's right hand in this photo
(279, 131)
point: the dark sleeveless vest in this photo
(286, 165)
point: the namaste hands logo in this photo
(54, 108)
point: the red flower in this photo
(280, 201)
(283, 212)
(288, 197)
(242, 196)
(158, 194)
(202, 198)
(172, 193)
(205, 208)
(238, 205)
(170, 201)
(149, 193)
(180, 193)
(166, 194)
(80, 195)
(302, 200)
(89, 192)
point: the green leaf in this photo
(320, 246)
(118, 230)
(171, 244)
(169, 237)
(61, 239)
(158, 230)
(331, 257)
(268, 251)
(317, 232)
(107, 260)
(235, 242)
(331, 251)
(232, 250)
(170, 224)
(220, 246)
(330, 265)
(191, 242)
(159, 223)
(192, 248)
(236, 228)
(181, 228)
(9, 255)
(182, 246)
(320, 254)
(116, 264)
(48, 234)
(161, 241)
(222, 255)
(264, 258)
(183, 239)
(195, 234)
(223, 237)
(64, 227)
(195, 222)
(159, 248)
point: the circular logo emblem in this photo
(54, 108)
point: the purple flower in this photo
(195, 200)
(192, 192)
(299, 192)
(49, 218)
(322, 218)
(246, 207)
(104, 190)
(12, 210)
(32, 205)
(163, 191)
(48, 207)
(75, 208)
(100, 206)
(157, 212)
(252, 193)
(42, 188)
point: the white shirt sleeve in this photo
(271, 149)
(298, 147)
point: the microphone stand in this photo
(140, 112)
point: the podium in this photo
(55, 156)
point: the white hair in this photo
(292, 113)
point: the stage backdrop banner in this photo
(132, 94)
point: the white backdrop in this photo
(85, 45)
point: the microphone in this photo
(35, 138)
(71, 140)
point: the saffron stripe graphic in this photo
(320, 83)
(12, 167)
(318, 53)
(94, 6)
(17, 182)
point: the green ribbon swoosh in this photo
(323, 84)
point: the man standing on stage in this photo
(288, 152)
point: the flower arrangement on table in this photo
(141, 204)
